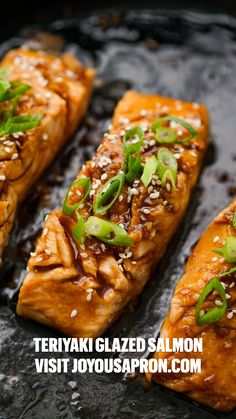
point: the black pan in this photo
(186, 54)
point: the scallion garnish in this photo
(107, 232)
(228, 251)
(215, 314)
(109, 193)
(85, 184)
(133, 169)
(149, 170)
(19, 123)
(10, 123)
(78, 230)
(167, 166)
(16, 88)
(133, 141)
(234, 220)
(4, 82)
(166, 135)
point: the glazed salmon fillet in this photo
(80, 287)
(215, 385)
(58, 91)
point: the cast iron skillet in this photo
(188, 55)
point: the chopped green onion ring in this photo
(133, 169)
(228, 251)
(167, 166)
(16, 88)
(85, 182)
(169, 136)
(78, 230)
(149, 170)
(215, 314)
(234, 220)
(19, 123)
(109, 193)
(107, 232)
(133, 141)
(4, 82)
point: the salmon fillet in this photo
(59, 92)
(215, 385)
(81, 289)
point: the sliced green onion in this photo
(19, 123)
(228, 251)
(149, 170)
(167, 166)
(78, 230)
(16, 88)
(133, 169)
(4, 82)
(234, 220)
(215, 314)
(107, 232)
(109, 193)
(133, 141)
(232, 270)
(167, 135)
(85, 182)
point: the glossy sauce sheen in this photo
(59, 93)
(215, 385)
(99, 280)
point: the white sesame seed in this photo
(2, 177)
(121, 198)
(89, 290)
(134, 262)
(216, 239)
(83, 255)
(47, 251)
(228, 296)
(232, 284)
(121, 267)
(222, 260)
(7, 150)
(103, 247)
(33, 254)
(45, 137)
(129, 255)
(134, 191)
(214, 259)
(121, 225)
(104, 176)
(143, 112)
(168, 187)
(92, 192)
(14, 156)
(218, 303)
(89, 297)
(154, 195)
(45, 231)
(73, 313)
(201, 312)
(230, 315)
(223, 285)
(146, 211)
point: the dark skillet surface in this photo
(191, 56)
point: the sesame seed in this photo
(121, 225)
(222, 260)
(45, 137)
(214, 259)
(33, 254)
(129, 255)
(121, 267)
(92, 192)
(47, 251)
(134, 262)
(223, 284)
(7, 150)
(201, 312)
(134, 191)
(89, 290)
(154, 195)
(83, 255)
(121, 198)
(168, 187)
(228, 296)
(146, 211)
(152, 142)
(143, 112)
(73, 313)
(2, 177)
(14, 156)
(218, 303)
(45, 231)
(230, 315)
(216, 239)
(103, 247)
(89, 297)
(104, 176)
(232, 285)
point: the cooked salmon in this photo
(59, 91)
(215, 385)
(80, 287)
